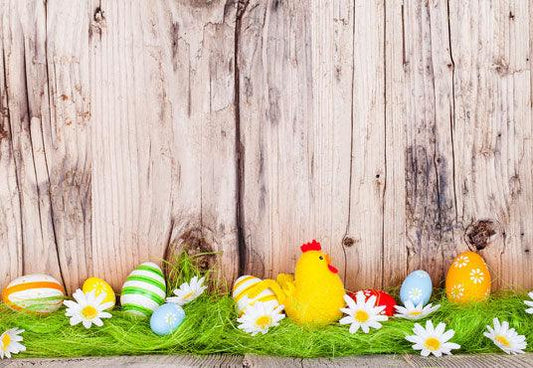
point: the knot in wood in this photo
(481, 233)
(348, 242)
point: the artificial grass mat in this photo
(210, 327)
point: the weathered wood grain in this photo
(252, 361)
(156, 361)
(67, 138)
(306, 166)
(493, 132)
(397, 133)
(28, 231)
(471, 361)
(295, 170)
(420, 205)
(204, 147)
(119, 139)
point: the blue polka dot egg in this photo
(166, 319)
(417, 287)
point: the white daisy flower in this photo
(362, 313)
(529, 303)
(260, 317)
(188, 291)
(477, 276)
(457, 291)
(461, 261)
(415, 294)
(10, 343)
(432, 340)
(506, 338)
(412, 312)
(88, 309)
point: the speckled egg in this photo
(166, 319)
(144, 290)
(241, 289)
(37, 293)
(100, 286)
(382, 299)
(417, 287)
(468, 279)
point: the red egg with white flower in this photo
(382, 299)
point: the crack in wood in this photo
(239, 146)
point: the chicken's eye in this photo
(321, 258)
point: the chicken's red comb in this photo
(314, 245)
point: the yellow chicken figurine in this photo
(315, 295)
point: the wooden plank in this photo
(204, 151)
(297, 172)
(295, 162)
(67, 137)
(164, 152)
(31, 238)
(471, 361)
(420, 206)
(367, 184)
(159, 361)
(493, 134)
(252, 361)
(130, 137)
(11, 264)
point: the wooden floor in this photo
(250, 361)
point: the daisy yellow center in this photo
(188, 295)
(415, 313)
(263, 321)
(503, 340)
(6, 340)
(89, 312)
(432, 344)
(361, 316)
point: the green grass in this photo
(210, 327)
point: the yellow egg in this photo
(468, 279)
(99, 286)
(241, 289)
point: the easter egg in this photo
(99, 286)
(37, 293)
(166, 319)
(382, 299)
(417, 287)
(144, 290)
(468, 279)
(241, 289)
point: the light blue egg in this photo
(166, 319)
(417, 288)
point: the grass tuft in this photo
(210, 327)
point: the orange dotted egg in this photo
(468, 279)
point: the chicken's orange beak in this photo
(330, 267)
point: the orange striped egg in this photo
(241, 289)
(35, 293)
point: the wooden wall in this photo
(396, 132)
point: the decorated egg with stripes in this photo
(144, 290)
(242, 288)
(36, 293)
